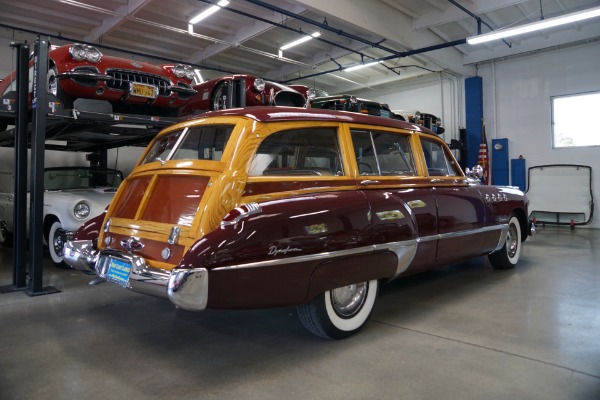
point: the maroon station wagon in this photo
(275, 206)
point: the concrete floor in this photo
(461, 332)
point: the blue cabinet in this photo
(499, 155)
(518, 173)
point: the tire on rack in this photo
(56, 243)
(508, 256)
(55, 89)
(340, 312)
(5, 236)
(217, 101)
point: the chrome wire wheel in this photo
(348, 300)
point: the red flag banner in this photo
(483, 158)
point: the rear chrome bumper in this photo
(186, 288)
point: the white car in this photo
(72, 195)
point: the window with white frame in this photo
(573, 120)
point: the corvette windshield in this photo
(80, 178)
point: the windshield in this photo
(81, 178)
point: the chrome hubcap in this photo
(52, 85)
(58, 245)
(512, 242)
(348, 300)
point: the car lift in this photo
(84, 131)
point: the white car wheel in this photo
(56, 243)
(340, 312)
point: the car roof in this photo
(277, 114)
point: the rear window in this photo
(196, 143)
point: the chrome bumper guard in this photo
(186, 288)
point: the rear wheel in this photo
(508, 256)
(340, 312)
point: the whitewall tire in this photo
(340, 312)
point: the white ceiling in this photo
(242, 38)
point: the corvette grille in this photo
(122, 78)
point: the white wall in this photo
(517, 94)
(435, 94)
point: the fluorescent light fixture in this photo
(299, 41)
(209, 11)
(535, 26)
(360, 66)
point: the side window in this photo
(203, 143)
(439, 163)
(311, 152)
(383, 153)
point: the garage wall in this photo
(440, 95)
(517, 105)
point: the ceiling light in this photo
(209, 11)
(299, 41)
(360, 66)
(535, 26)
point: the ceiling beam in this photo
(383, 21)
(452, 14)
(245, 33)
(114, 21)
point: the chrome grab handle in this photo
(368, 182)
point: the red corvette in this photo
(78, 71)
(241, 91)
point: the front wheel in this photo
(56, 244)
(55, 89)
(508, 256)
(340, 312)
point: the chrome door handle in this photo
(437, 180)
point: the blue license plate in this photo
(118, 272)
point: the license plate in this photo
(118, 272)
(143, 90)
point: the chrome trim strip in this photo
(405, 251)
(250, 209)
(503, 227)
(306, 258)
(502, 239)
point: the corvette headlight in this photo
(81, 52)
(189, 72)
(81, 210)
(78, 52)
(179, 70)
(259, 84)
(93, 54)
